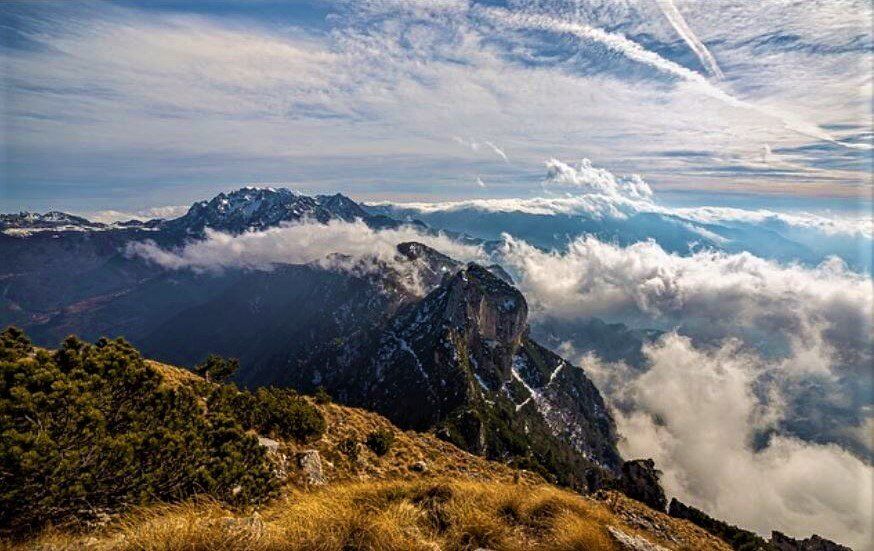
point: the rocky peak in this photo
(431, 266)
(485, 308)
(251, 208)
(52, 220)
(341, 206)
(459, 361)
(640, 480)
(782, 542)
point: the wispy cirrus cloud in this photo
(219, 99)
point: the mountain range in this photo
(457, 357)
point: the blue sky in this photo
(132, 104)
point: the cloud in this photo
(634, 51)
(350, 246)
(479, 182)
(109, 216)
(697, 414)
(498, 151)
(812, 324)
(713, 294)
(475, 146)
(679, 23)
(318, 104)
(587, 179)
(596, 192)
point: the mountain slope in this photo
(423, 493)
(460, 361)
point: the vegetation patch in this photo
(93, 429)
(380, 441)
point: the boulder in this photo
(278, 460)
(310, 463)
(630, 542)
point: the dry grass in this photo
(174, 376)
(393, 515)
(442, 458)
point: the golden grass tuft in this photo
(423, 515)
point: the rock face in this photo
(738, 538)
(782, 542)
(640, 480)
(744, 539)
(310, 463)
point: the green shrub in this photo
(380, 441)
(349, 447)
(92, 428)
(275, 412)
(322, 397)
(283, 413)
(217, 369)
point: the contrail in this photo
(679, 23)
(634, 51)
(498, 151)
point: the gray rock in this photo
(269, 443)
(252, 526)
(630, 542)
(310, 463)
(278, 460)
(814, 543)
(419, 467)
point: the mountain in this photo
(61, 270)
(458, 361)
(26, 223)
(457, 358)
(252, 208)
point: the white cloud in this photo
(475, 146)
(714, 294)
(351, 246)
(108, 216)
(246, 101)
(597, 192)
(688, 35)
(634, 51)
(498, 151)
(587, 179)
(696, 413)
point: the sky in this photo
(134, 104)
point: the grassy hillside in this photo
(420, 493)
(427, 514)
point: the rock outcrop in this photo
(640, 480)
(781, 542)
(310, 463)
